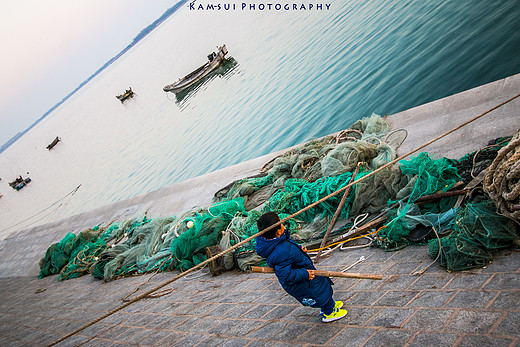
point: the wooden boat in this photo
(214, 61)
(19, 183)
(53, 143)
(126, 95)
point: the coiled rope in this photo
(502, 182)
(232, 248)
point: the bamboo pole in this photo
(270, 270)
(336, 214)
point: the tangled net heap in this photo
(477, 231)
(490, 222)
(326, 157)
(287, 184)
(427, 176)
(306, 173)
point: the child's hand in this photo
(304, 248)
(311, 274)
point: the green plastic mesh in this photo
(189, 248)
(299, 194)
(57, 256)
(82, 259)
(319, 158)
(478, 230)
(141, 250)
(287, 184)
(246, 188)
(427, 176)
(290, 182)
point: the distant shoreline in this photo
(136, 39)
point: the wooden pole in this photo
(336, 214)
(269, 270)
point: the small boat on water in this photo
(19, 183)
(53, 143)
(214, 61)
(126, 95)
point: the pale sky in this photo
(47, 48)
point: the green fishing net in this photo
(477, 231)
(56, 256)
(140, 250)
(188, 249)
(77, 255)
(329, 156)
(287, 184)
(299, 194)
(290, 182)
(426, 176)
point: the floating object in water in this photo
(126, 95)
(214, 61)
(19, 183)
(53, 143)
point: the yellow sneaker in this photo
(338, 313)
(337, 305)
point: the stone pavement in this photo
(469, 308)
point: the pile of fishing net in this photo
(426, 176)
(301, 176)
(488, 221)
(140, 245)
(91, 249)
(476, 231)
(287, 184)
(462, 232)
(329, 156)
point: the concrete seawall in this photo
(22, 249)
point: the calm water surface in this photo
(295, 75)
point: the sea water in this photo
(297, 72)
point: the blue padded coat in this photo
(290, 264)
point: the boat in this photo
(19, 183)
(214, 61)
(53, 143)
(223, 71)
(126, 95)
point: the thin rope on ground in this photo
(45, 209)
(420, 272)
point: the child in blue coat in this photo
(294, 269)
